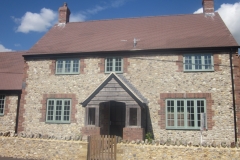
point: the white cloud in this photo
(82, 16)
(230, 15)
(38, 22)
(200, 10)
(3, 49)
(77, 17)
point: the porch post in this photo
(139, 117)
(97, 116)
(127, 117)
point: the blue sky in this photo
(24, 22)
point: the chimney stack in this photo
(208, 7)
(63, 14)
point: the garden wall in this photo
(44, 147)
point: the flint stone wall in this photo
(35, 148)
(8, 120)
(151, 75)
(42, 148)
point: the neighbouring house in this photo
(128, 77)
(11, 75)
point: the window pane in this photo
(2, 98)
(67, 66)
(50, 110)
(133, 117)
(91, 116)
(180, 113)
(170, 113)
(75, 66)
(109, 65)
(208, 61)
(188, 62)
(198, 62)
(66, 110)
(59, 66)
(58, 110)
(190, 113)
(200, 109)
(118, 64)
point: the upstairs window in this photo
(67, 66)
(58, 110)
(198, 62)
(114, 64)
(2, 102)
(184, 113)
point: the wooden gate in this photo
(102, 147)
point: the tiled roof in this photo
(11, 70)
(160, 32)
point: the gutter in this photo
(233, 91)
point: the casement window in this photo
(114, 64)
(58, 110)
(198, 62)
(184, 113)
(2, 103)
(91, 116)
(67, 66)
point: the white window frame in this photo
(114, 59)
(194, 66)
(63, 68)
(186, 120)
(2, 104)
(54, 111)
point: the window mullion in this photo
(54, 110)
(175, 113)
(195, 114)
(71, 66)
(185, 113)
(114, 61)
(193, 62)
(62, 110)
(203, 62)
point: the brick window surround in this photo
(82, 66)
(60, 96)
(207, 96)
(101, 65)
(217, 61)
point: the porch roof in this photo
(125, 84)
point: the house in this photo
(11, 75)
(128, 77)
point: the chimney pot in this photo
(208, 7)
(63, 14)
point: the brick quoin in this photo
(60, 96)
(21, 118)
(7, 103)
(236, 77)
(217, 62)
(209, 103)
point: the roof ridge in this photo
(174, 15)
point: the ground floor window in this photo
(184, 113)
(91, 116)
(2, 102)
(58, 110)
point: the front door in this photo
(117, 118)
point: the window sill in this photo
(57, 122)
(185, 129)
(199, 71)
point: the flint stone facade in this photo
(8, 120)
(152, 75)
